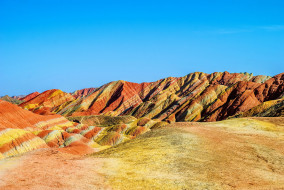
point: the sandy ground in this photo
(51, 169)
(236, 154)
(242, 160)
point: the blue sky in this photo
(74, 44)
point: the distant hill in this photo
(11, 100)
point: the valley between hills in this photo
(201, 131)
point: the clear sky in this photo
(74, 44)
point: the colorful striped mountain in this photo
(23, 131)
(130, 130)
(194, 97)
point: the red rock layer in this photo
(45, 102)
(83, 92)
(12, 116)
(243, 96)
(120, 96)
(29, 96)
(16, 142)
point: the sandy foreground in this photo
(233, 154)
(51, 169)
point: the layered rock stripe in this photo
(29, 96)
(18, 128)
(194, 97)
(22, 131)
(18, 141)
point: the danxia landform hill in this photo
(201, 131)
(194, 97)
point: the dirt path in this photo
(51, 169)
